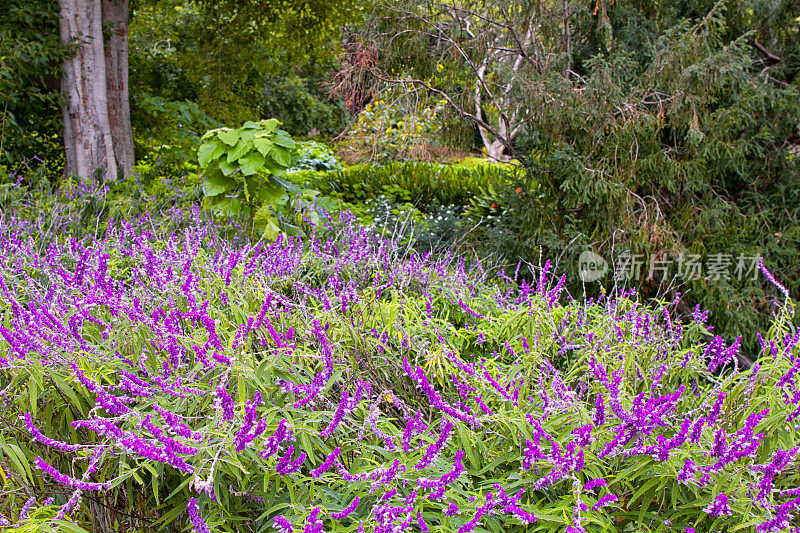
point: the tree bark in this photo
(97, 131)
(115, 18)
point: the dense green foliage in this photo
(689, 150)
(30, 59)
(472, 186)
(665, 131)
(248, 68)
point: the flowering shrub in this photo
(157, 380)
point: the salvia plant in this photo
(157, 379)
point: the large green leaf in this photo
(263, 145)
(209, 151)
(283, 139)
(227, 207)
(281, 156)
(271, 229)
(273, 168)
(241, 148)
(229, 137)
(273, 195)
(227, 168)
(252, 163)
(270, 125)
(215, 184)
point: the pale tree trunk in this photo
(115, 17)
(93, 94)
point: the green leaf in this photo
(281, 156)
(263, 145)
(215, 185)
(274, 196)
(283, 139)
(251, 125)
(252, 163)
(271, 230)
(273, 168)
(208, 152)
(227, 207)
(227, 168)
(270, 125)
(229, 137)
(241, 148)
(33, 395)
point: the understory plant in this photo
(157, 379)
(243, 169)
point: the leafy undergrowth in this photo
(156, 379)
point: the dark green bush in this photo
(471, 187)
(692, 151)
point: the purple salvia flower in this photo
(434, 449)
(719, 507)
(780, 459)
(314, 524)
(244, 436)
(66, 480)
(607, 499)
(423, 527)
(716, 410)
(37, 435)
(439, 485)
(782, 519)
(194, 517)
(344, 513)
(452, 509)
(281, 525)
(23, 514)
(486, 509)
(687, 472)
(771, 279)
(597, 482)
(225, 403)
(286, 466)
(599, 412)
(321, 469)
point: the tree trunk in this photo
(115, 18)
(97, 131)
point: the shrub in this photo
(157, 379)
(471, 187)
(242, 176)
(311, 155)
(385, 131)
(699, 162)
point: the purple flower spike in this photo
(194, 517)
(281, 525)
(66, 480)
(719, 507)
(344, 513)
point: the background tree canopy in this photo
(666, 131)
